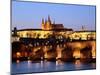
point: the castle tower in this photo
(49, 20)
(43, 25)
(48, 24)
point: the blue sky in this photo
(30, 14)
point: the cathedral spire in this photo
(45, 21)
(43, 25)
(42, 21)
(49, 20)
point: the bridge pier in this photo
(49, 53)
(36, 53)
(67, 54)
(86, 54)
(64, 53)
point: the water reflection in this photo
(41, 64)
(17, 61)
(59, 62)
(59, 65)
(78, 64)
(94, 64)
(29, 63)
(46, 66)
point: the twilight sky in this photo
(30, 14)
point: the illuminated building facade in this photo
(48, 25)
(83, 35)
(48, 29)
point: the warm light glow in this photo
(76, 54)
(34, 33)
(18, 54)
(59, 62)
(93, 54)
(77, 62)
(17, 61)
(82, 35)
(59, 51)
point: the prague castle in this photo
(48, 25)
(49, 28)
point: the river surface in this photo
(48, 66)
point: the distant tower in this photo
(14, 37)
(15, 31)
(54, 22)
(83, 28)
